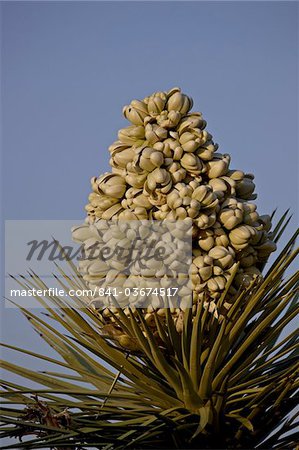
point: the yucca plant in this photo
(216, 373)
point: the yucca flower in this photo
(170, 171)
(216, 372)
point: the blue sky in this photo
(69, 67)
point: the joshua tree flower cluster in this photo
(165, 166)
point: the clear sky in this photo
(69, 67)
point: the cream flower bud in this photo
(127, 214)
(158, 179)
(136, 180)
(206, 151)
(244, 186)
(173, 200)
(98, 267)
(251, 217)
(199, 262)
(81, 233)
(205, 196)
(236, 175)
(179, 102)
(194, 120)
(205, 272)
(156, 103)
(101, 201)
(206, 240)
(122, 158)
(221, 237)
(178, 153)
(136, 112)
(216, 283)
(231, 215)
(266, 221)
(154, 133)
(245, 189)
(192, 163)
(157, 158)
(179, 175)
(205, 220)
(111, 185)
(168, 119)
(224, 258)
(131, 134)
(190, 141)
(218, 166)
(112, 211)
(143, 160)
(137, 198)
(241, 236)
(219, 186)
